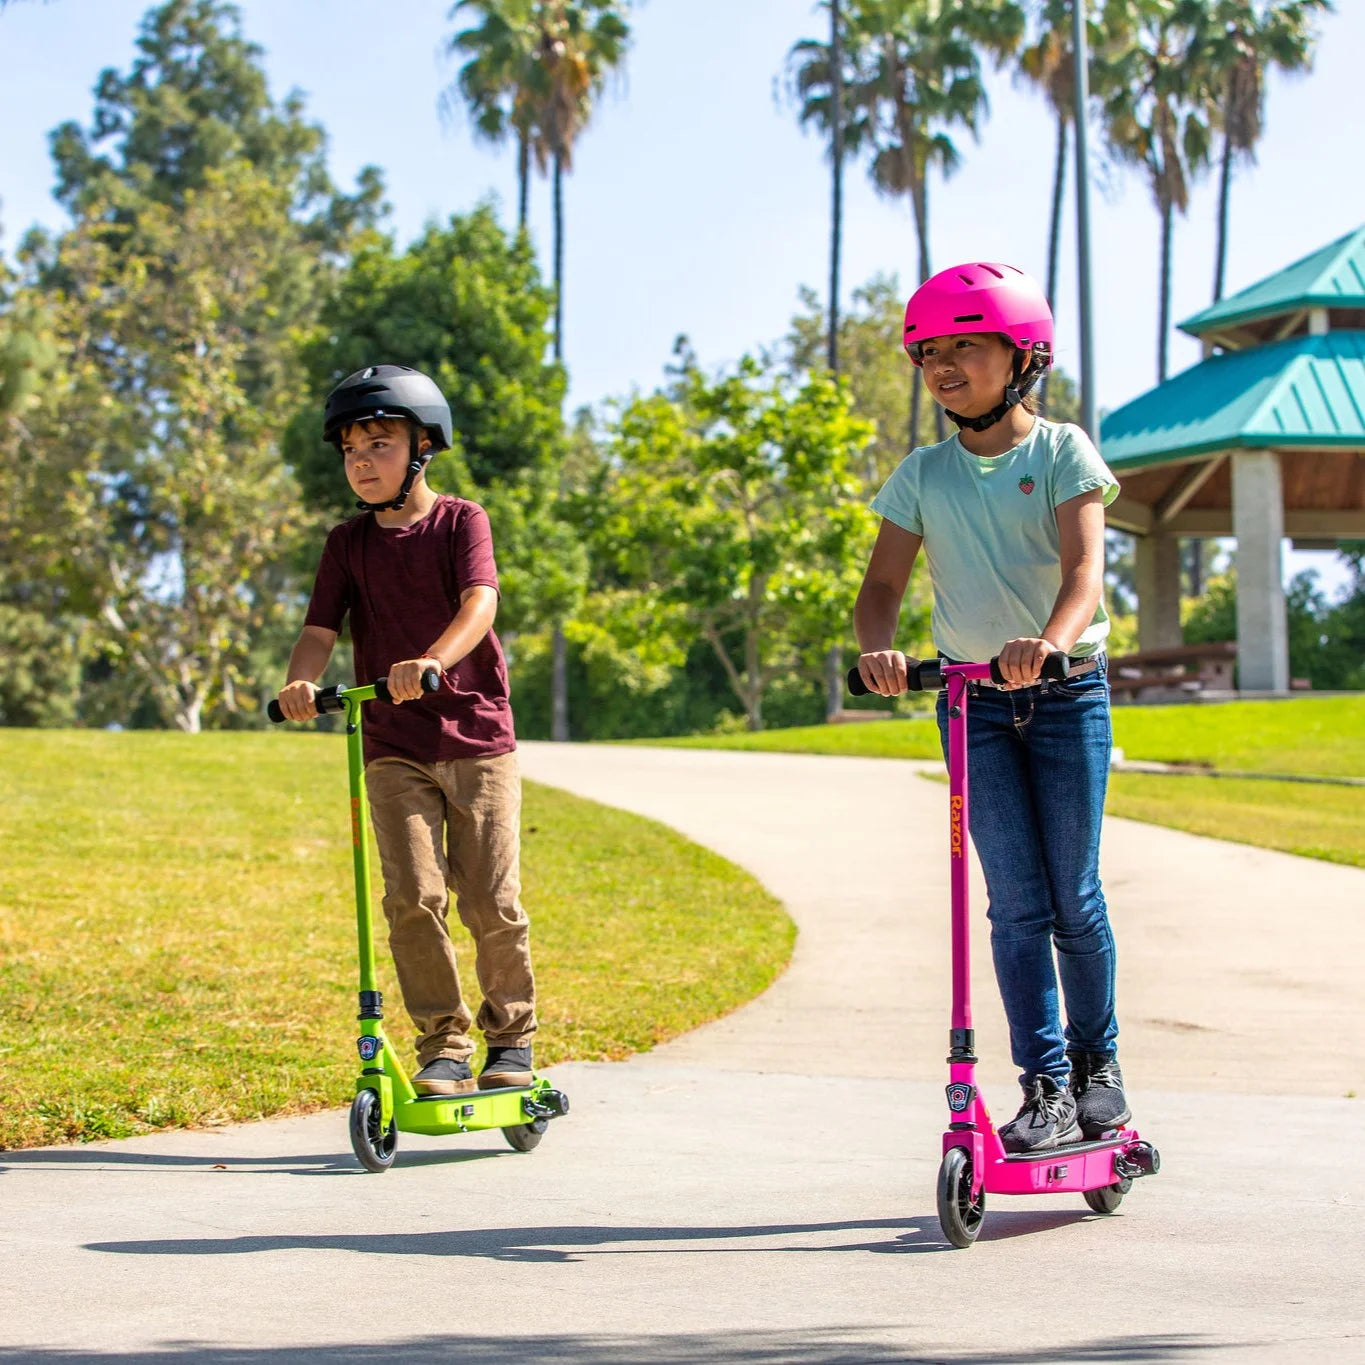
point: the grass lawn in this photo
(177, 931)
(1315, 736)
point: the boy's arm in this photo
(306, 663)
(478, 608)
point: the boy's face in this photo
(376, 456)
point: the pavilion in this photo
(1264, 438)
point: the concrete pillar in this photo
(1158, 587)
(1258, 524)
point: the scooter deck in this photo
(477, 1110)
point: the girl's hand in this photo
(884, 672)
(1021, 661)
(405, 679)
(296, 700)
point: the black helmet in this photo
(388, 391)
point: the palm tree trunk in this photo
(1054, 234)
(836, 67)
(523, 179)
(1164, 306)
(559, 255)
(925, 270)
(1224, 186)
(559, 685)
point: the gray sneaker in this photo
(1097, 1084)
(1046, 1119)
(506, 1066)
(444, 1077)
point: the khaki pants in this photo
(455, 826)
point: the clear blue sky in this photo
(696, 203)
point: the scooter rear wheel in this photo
(373, 1148)
(959, 1215)
(1107, 1198)
(525, 1137)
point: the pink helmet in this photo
(982, 296)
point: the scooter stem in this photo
(959, 865)
(360, 841)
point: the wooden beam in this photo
(1186, 486)
(1127, 514)
(1317, 525)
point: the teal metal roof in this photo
(1332, 277)
(1307, 391)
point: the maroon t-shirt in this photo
(401, 586)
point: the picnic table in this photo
(1181, 669)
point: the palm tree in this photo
(1156, 115)
(1236, 42)
(925, 79)
(826, 85)
(577, 44)
(494, 80)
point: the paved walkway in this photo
(762, 1190)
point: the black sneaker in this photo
(444, 1076)
(506, 1066)
(1047, 1118)
(1097, 1084)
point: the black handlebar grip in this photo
(1055, 668)
(431, 682)
(856, 685)
(273, 711)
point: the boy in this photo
(416, 573)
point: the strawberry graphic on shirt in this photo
(1026, 484)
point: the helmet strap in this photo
(416, 463)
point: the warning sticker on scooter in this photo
(960, 1096)
(368, 1047)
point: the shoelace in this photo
(1047, 1104)
(1105, 1073)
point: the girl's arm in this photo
(1080, 522)
(877, 610)
(478, 608)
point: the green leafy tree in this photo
(149, 478)
(732, 507)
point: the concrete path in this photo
(762, 1190)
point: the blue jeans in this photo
(1037, 768)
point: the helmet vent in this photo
(998, 275)
(966, 279)
(970, 317)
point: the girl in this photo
(1010, 515)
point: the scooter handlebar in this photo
(926, 675)
(334, 698)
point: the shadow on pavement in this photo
(330, 1163)
(571, 1243)
(830, 1346)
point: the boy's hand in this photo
(296, 700)
(405, 679)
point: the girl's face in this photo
(968, 372)
(376, 457)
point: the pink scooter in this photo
(975, 1162)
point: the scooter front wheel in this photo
(525, 1137)
(374, 1148)
(959, 1215)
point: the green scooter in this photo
(385, 1103)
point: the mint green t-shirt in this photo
(990, 533)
